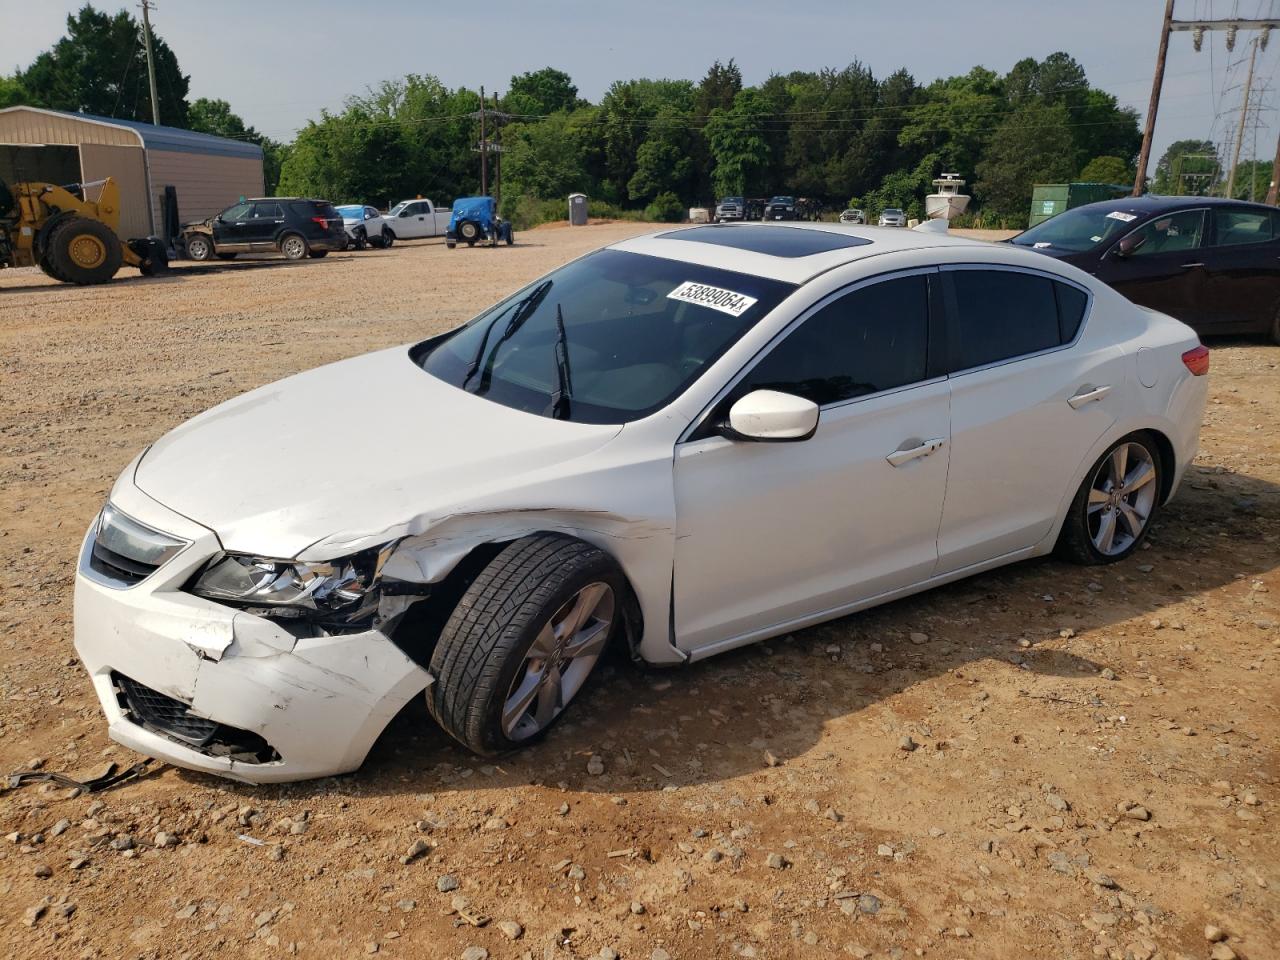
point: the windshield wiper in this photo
(561, 399)
(523, 307)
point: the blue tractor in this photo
(475, 220)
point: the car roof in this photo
(1150, 203)
(281, 199)
(841, 245)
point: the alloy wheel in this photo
(557, 664)
(1121, 498)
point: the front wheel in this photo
(523, 641)
(388, 238)
(1114, 507)
(199, 247)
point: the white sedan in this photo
(682, 443)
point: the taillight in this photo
(323, 223)
(1197, 360)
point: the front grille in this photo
(152, 708)
(163, 714)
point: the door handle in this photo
(1087, 394)
(1188, 266)
(899, 457)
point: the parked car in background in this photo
(731, 209)
(415, 219)
(598, 455)
(365, 225)
(1210, 262)
(853, 215)
(297, 227)
(475, 220)
(780, 208)
(892, 217)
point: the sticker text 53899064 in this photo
(717, 298)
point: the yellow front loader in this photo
(70, 232)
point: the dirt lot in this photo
(759, 805)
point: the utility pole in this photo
(151, 61)
(1144, 155)
(1275, 177)
(484, 150)
(497, 160)
(1244, 112)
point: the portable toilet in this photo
(577, 209)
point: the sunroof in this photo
(775, 241)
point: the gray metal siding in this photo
(206, 184)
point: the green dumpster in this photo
(1050, 199)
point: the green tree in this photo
(1188, 167)
(1106, 170)
(954, 119)
(546, 159)
(629, 115)
(1253, 179)
(1032, 145)
(12, 92)
(541, 92)
(738, 148)
(100, 67)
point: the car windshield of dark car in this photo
(1078, 230)
(632, 331)
(782, 200)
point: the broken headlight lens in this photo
(345, 588)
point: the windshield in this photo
(1078, 230)
(892, 212)
(783, 200)
(355, 212)
(397, 208)
(735, 201)
(637, 331)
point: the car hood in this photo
(348, 450)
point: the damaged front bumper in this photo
(212, 688)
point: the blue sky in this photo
(279, 62)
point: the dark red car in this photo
(1214, 264)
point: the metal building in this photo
(206, 174)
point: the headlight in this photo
(346, 588)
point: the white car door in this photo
(772, 534)
(414, 221)
(1028, 400)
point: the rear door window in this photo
(1004, 314)
(1234, 227)
(872, 339)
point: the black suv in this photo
(781, 208)
(295, 226)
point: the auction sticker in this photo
(1121, 216)
(717, 298)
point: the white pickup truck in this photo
(411, 219)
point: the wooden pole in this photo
(1244, 112)
(484, 151)
(1275, 178)
(1144, 156)
(151, 62)
(497, 159)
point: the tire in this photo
(469, 231)
(226, 256)
(199, 247)
(487, 694)
(294, 246)
(1098, 505)
(83, 251)
(361, 239)
(317, 254)
(450, 244)
(388, 238)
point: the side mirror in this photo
(1130, 244)
(771, 416)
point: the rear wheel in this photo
(1114, 507)
(294, 247)
(199, 247)
(469, 231)
(523, 641)
(83, 251)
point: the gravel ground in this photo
(1044, 761)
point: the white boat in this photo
(948, 201)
